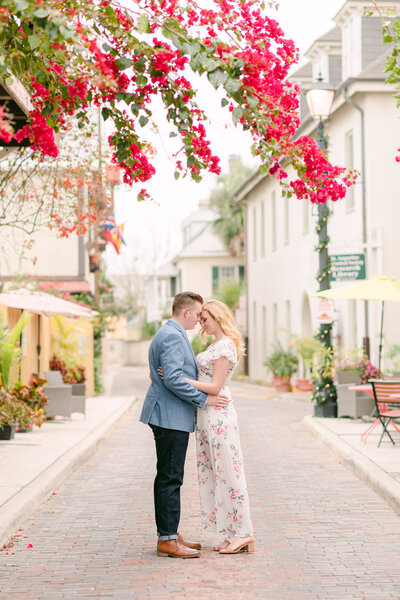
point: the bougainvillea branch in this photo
(73, 54)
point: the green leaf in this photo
(41, 13)
(105, 113)
(253, 102)
(107, 47)
(141, 81)
(387, 39)
(173, 134)
(143, 121)
(224, 102)
(176, 174)
(34, 41)
(237, 114)
(21, 5)
(209, 64)
(232, 85)
(263, 169)
(143, 25)
(124, 63)
(218, 77)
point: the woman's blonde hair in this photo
(221, 313)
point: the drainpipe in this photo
(366, 341)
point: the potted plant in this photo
(33, 397)
(283, 364)
(324, 389)
(10, 410)
(306, 347)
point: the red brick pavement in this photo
(320, 533)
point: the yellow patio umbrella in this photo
(378, 288)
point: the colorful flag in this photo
(113, 233)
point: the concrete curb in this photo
(365, 469)
(21, 506)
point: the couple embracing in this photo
(187, 394)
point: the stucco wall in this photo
(196, 273)
(288, 273)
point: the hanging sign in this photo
(347, 267)
(324, 311)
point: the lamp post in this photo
(319, 100)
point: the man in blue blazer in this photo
(169, 409)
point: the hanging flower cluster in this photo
(73, 55)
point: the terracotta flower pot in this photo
(304, 385)
(282, 384)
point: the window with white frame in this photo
(254, 233)
(306, 216)
(222, 273)
(349, 162)
(273, 220)
(264, 332)
(286, 225)
(275, 321)
(262, 226)
(288, 320)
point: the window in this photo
(275, 321)
(222, 273)
(286, 231)
(172, 287)
(241, 273)
(215, 278)
(262, 225)
(288, 320)
(273, 220)
(349, 161)
(264, 332)
(254, 233)
(227, 272)
(306, 216)
(255, 330)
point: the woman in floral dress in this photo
(223, 490)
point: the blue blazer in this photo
(171, 402)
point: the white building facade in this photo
(201, 266)
(363, 133)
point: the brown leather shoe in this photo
(193, 545)
(174, 549)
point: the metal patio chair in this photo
(387, 407)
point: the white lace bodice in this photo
(205, 360)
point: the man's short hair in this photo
(185, 300)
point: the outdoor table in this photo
(362, 387)
(367, 387)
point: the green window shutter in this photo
(241, 272)
(215, 278)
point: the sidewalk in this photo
(33, 464)
(377, 467)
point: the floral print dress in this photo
(223, 491)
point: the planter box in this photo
(327, 410)
(353, 404)
(348, 377)
(7, 432)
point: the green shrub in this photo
(198, 345)
(149, 329)
(229, 292)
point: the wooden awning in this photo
(15, 100)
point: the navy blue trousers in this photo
(171, 449)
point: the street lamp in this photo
(319, 100)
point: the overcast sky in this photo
(158, 222)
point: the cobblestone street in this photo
(320, 532)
